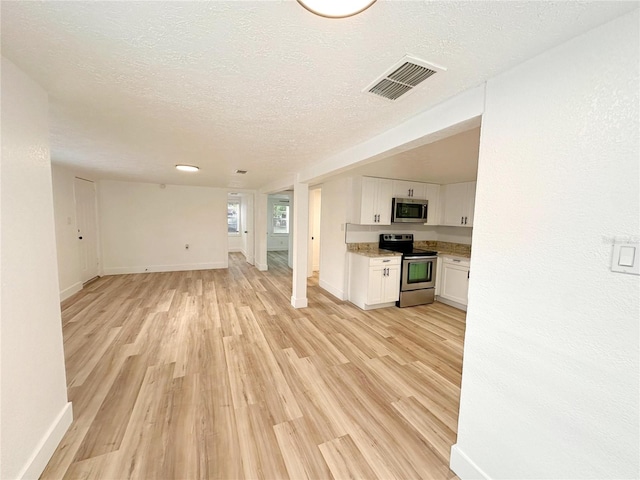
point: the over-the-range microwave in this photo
(409, 210)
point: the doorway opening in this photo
(240, 225)
(315, 210)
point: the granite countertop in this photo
(445, 253)
(454, 255)
(376, 252)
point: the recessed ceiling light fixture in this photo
(336, 8)
(187, 168)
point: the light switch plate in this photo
(626, 258)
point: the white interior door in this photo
(87, 221)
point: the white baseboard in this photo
(263, 267)
(463, 467)
(299, 302)
(249, 259)
(67, 292)
(166, 268)
(235, 250)
(47, 445)
(336, 292)
(459, 306)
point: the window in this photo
(280, 219)
(233, 217)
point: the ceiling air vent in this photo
(241, 172)
(402, 77)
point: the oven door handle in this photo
(419, 258)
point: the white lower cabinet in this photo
(374, 282)
(454, 281)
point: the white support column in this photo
(260, 209)
(300, 244)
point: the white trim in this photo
(166, 268)
(263, 267)
(336, 292)
(236, 250)
(299, 302)
(67, 292)
(48, 444)
(460, 306)
(463, 467)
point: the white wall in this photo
(34, 412)
(333, 256)
(145, 227)
(551, 361)
(64, 207)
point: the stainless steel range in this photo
(418, 274)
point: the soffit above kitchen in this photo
(138, 87)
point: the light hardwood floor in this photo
(212, 374)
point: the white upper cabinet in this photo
(404, 189)
(371, 201)
(432, 194)
(457, 204)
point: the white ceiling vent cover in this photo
(402, 78)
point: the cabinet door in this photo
(404, 189)
(455, 282)
(383, 200)
(392, 284)
(432, 194)
(418, 190)
(368, 209)
(376, 284)
(401, 189)
(470, 203)
(453, 208)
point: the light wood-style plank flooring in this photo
(212, 374)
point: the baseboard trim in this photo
(463, 467)
(47, 446)
(451, 303)
(263, 267)
(299, 302)
(336, 292)
(166, 268)
(67, 292)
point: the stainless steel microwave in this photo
(409, 210)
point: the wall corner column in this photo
(300, 244)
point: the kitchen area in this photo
(407, 227)
(399, 270)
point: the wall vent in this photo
(402, 77)
(241, 172)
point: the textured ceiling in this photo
(136, 87)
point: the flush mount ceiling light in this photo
(187, 168)
(336, 8)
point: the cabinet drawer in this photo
(374, 262)
(463, 262)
